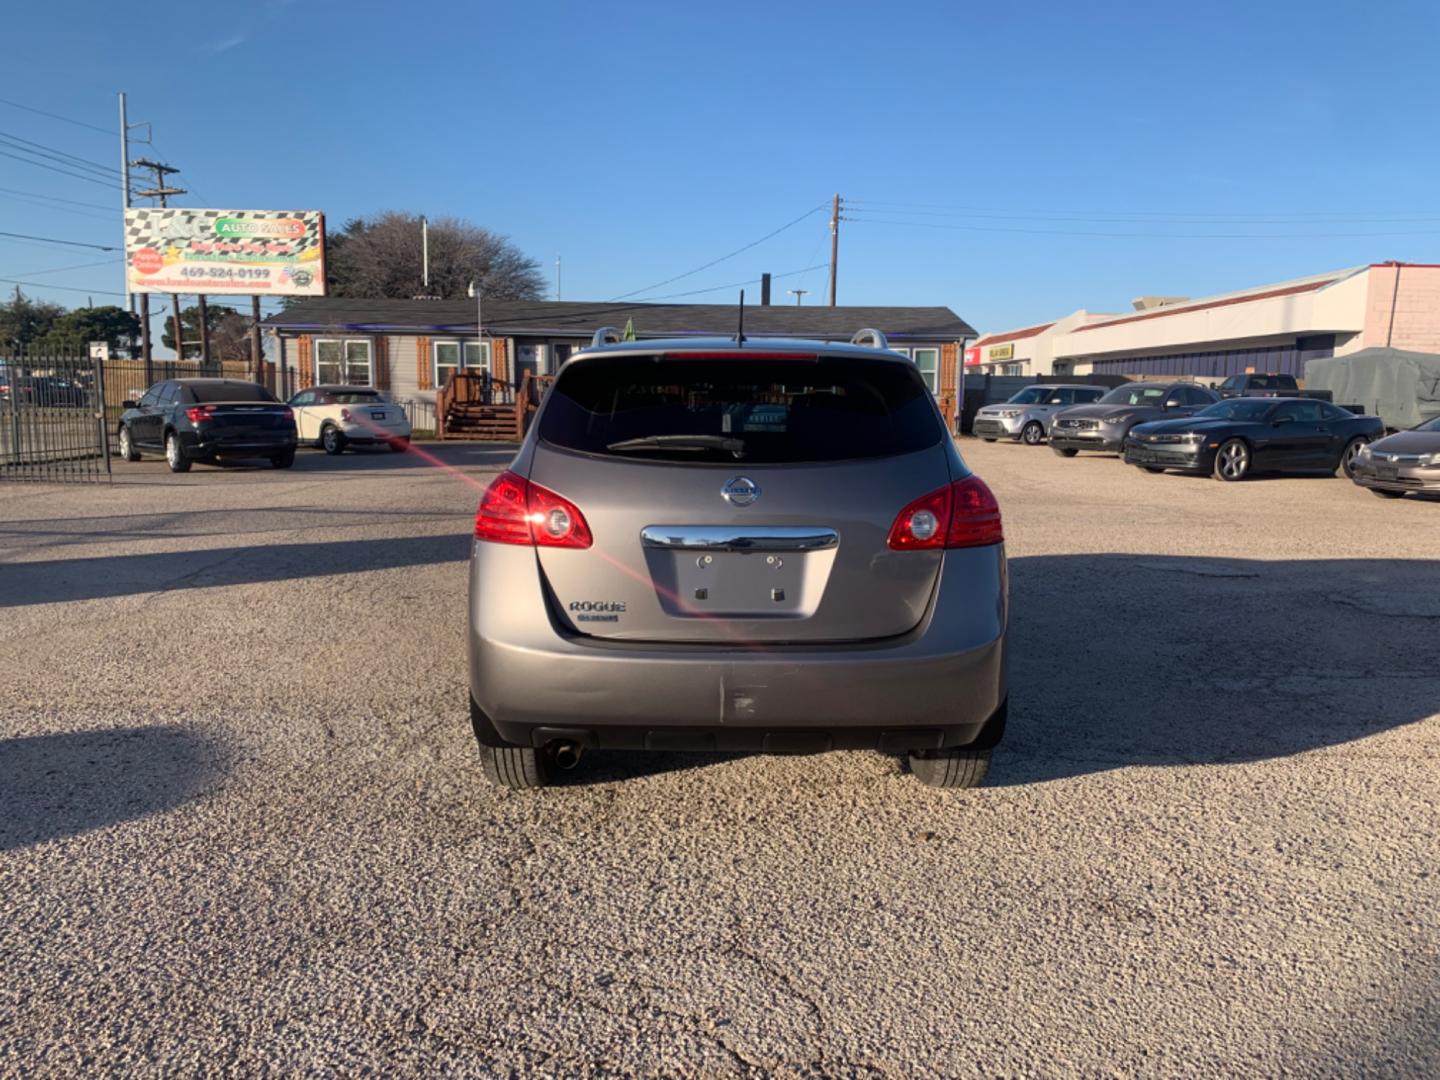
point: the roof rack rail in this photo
(871, 337)
(606, 335)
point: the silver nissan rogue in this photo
(738, 546)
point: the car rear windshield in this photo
(203, 392)
(352, 397)
(761, 409)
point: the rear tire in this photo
(175, 454)
(399, 446)
(1152, 468)
(961, 768)
(283, 461)
(127, 446)
(1032, 433)
(332, 439)
(1381, 493)
(986, 439)
(1065, 451)
(519, 768)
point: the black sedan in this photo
(192, 420)
(1234, 438)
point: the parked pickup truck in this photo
(1273, 384)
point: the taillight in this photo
(515, 511)
(197, 413)
(962, 514)
(344, 414)
(287, 412)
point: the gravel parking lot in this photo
(243, 827)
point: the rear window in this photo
(761, 410)
(204, 392)
(353, 397)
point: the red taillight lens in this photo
(288, 412)
(344, 414)
(962, 514)
(515, 511)
(198, 413)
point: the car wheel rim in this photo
(330, 439)
(1032, 434)
(1232, 462)
(172, 453)
(124, 444)
(1350, 455)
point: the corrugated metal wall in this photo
(1290, 359)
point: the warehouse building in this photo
(1277, 327)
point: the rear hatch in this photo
(740, 498)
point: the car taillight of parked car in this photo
(197, 414)
(515, 511)
(958, 515)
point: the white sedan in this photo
(334, 417)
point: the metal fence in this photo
(53, 418)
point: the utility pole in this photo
(162, 192)
(557, 277)
(257, 368)
(834, 243)
(125, 188)
(797, 294)
(425, 254)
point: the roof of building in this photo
(545, 318)
(1245, 296)
(1012, 335)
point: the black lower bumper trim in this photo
(806, 740)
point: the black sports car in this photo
(1234, 438)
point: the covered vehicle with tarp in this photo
(1400, 387)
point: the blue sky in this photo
(988, 154)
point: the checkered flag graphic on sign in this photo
(160, 228)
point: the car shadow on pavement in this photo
(50, 581)
(1143, 660)
(54, 786)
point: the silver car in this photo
(1026, 416)
(1403, 462)
(705, 545)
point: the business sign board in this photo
(1001, 352)
(972, 356)
(244, 252)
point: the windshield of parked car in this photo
(761, 410)
(1238, 409)
(1430, 425)
(1030, 395)
(1136, 394)
(217, 391)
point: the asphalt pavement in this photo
(243, 827)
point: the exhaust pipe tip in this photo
(566, 755)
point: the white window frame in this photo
(465, 349)
(344, 362)
(931, 377)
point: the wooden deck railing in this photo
(474, 400)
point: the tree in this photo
(24, 321)
(113, 325)
(382, 257)
(229, 333)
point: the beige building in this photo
(1278, 327)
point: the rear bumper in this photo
(936, 686)
(257, 444)
(376, 433)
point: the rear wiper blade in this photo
(681, 442)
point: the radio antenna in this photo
(740, 329)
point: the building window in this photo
(928, 361)
(344, 361)
(447, 357)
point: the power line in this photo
(56, 168)
(1143, 235)
(34, 201)
(55, 198)
(1125, 217)
(1034, 213)
(734, 285)
(52, 240)
(55, 116)
(55, 154)
(722, 258)
(77, 266)
(62, 288)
